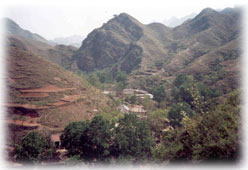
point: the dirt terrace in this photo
(46, 89)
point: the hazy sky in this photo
(53, 18)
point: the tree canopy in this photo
(33, 148)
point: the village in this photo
(131, 107)
(125, 107)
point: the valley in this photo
(141, 93)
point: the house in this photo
(108, 92)
(123, 108)
(139, 93)
(55, 138)
(137, 109)
(132, 108)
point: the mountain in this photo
(59, 54)
(43, 96)
(74, 40)
(174, 21)
(14, 29)
(109, 44)
(155, 50)
(40, 92)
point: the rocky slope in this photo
(113, 42)
(156, 50)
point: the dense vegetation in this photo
(193, 128)
(34, 148)
(100, 140)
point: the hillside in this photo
(145, 51)
(59, 54)
(44, 96)
(14, 29)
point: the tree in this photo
(159, 93)
(71, 137)
(120, 76)
(93, 80)
(33, 148)
(177, 112)
(212, 136)
(147, 102)
(133, 99)
(88, 139)
(95, 140)
(119, 87)
(102, 76)
(218, 132)
(158, 121)
(133, 138)
(182, 79)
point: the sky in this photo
(53, 19)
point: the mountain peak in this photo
(123, 14)
(207, 11)
(14, 29)
(124, 17)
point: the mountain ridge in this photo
(59, 54)
(207, 20)
(159, 50)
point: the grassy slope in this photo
(189, 47)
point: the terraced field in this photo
(44, 96)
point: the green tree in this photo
(133, 99)
(182, 79)
(212, 136)
(88, 139)
(159, 93)
(177, 112)
(218, 132)
(71, 136)
(147, 102)
(102, 76)
(33, 148)
(120, 86)
(158, 121)
(96, 139)
(93, 80)
(120, 76)
(133, 138)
